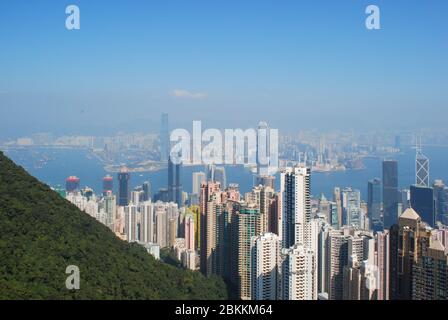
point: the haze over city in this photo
(300, 64)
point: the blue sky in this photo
(296, 63)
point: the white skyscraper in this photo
(147, 222)
(139, 222)
(265, 272)
(299, 280)
(130, 222)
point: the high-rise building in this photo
(220, 176)
(351, 207)
(337, 259)
(430, 274)
(422, 201)
(123, 187)
(360, 279)
(164, 138)
(421, 168)
(209, 198)
(166, 217)
(196, 213)
(264, 180)
(405, 199)
(390, 193)
(72, 184)
(374, 201)
(174, 183)
(198, 179)
(139, 220)
(189, 232)
(131, 223)
(408, 240)
(296, 205)
(210, 172)
(337, 198)
(249, 224)
(441, 201)
(266, 267)
(263, 148)
(298, 272)
(322, 258)
(109, 206)
(382, 262)
(108, 184)
(146, 191)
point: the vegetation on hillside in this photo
(41, 234)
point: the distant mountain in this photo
(41, 234)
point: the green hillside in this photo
(41, 234)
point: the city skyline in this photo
(269, 150)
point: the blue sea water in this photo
(62, 163)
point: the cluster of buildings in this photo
(281, 244)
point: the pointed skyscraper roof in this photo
(410, 213)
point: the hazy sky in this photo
(295, 63)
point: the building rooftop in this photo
(410, 213)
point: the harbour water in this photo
(52, 166)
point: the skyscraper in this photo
(109, 203)
(164, 138)
(338, 201)
(421, 168)
(441, 201)
(359, 277)
(337, 259)
(72, 184)
(430, 274)
(422, 201)
(249, 224)
(123, 187)
(374, 203)
(298, 272)
(382, 262)
(189, 232)
(266, 267)
(174, 184)
(267, 181)
(390, 193)
(208, 200)
(408, 240)
(263, 148)
(351, 205)
(198, 179)
(108, 184)
(210, 172)
(220, 176)
(296, 205)
(146, 222)
(146, 191)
